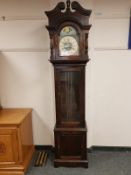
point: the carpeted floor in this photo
(100, 163)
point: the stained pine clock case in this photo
(68, 29)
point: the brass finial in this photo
(68, 4)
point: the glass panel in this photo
(69, 98)
(69, 41)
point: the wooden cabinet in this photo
(16, 141)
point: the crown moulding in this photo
(72, 11)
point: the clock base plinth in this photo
(70, 147)
(70, 163)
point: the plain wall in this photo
(26, 75)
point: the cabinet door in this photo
(70, 145)
(70, 93)
(8, 146)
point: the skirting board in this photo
(44, 147)
(93, 148)
(110, 148)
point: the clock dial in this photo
(68, 46)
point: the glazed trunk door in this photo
(69, 92)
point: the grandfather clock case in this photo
(68, 29)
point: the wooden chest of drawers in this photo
(16, 141)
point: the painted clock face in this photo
(68, 44)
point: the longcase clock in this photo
(68, 29)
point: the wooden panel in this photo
(8, 146)
(76, 147)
